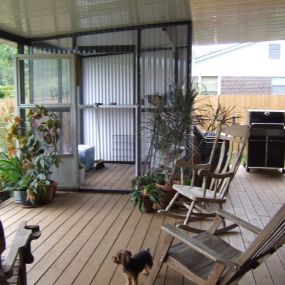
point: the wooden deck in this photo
(81, 231)
(114, 176)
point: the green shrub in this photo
(6, 91)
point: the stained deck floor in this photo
(81, 232)
(115, 177)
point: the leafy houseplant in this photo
(144, 192)
(31, 153)
(145, 197)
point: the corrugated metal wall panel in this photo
(109, 79)
(157, 71)
(157, 75)
(113, 137)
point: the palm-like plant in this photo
(170, 127)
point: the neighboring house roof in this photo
(221, 52)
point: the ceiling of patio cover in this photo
(214, 21)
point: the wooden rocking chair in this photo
(207, 259)
(13, 266)
(215, 179)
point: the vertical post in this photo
(80, 92)
(188, 78)
(134, 103)
(189, 56)
(31, 77)
(20, 80)
(138, 103)
(176, 56)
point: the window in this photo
(278, 86)
(209, 85)
(274, 51)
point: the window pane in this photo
(278, 81)
(274, 51)
(47, 81)
(278, 86)
(210, 85)
(278, 90)
(65, 134)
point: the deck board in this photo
(82, 231)
(111, 177)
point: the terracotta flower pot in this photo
(147, 206)
(49, 193)
(167, 193)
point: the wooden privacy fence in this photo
(7, 106)
(242, 103)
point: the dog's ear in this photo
(126, 257)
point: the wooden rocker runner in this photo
(215, 179)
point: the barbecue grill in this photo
(266, 145)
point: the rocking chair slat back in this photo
(267, 241)
(273, 235)
(234, 139)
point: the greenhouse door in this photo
(49, 81)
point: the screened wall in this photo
(120, 74)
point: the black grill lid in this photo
(266, 116)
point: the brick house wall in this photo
(245, 85)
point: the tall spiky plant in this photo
(170, 126)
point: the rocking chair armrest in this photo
(197, 245)
(24, 235)
(212, 174)
(238, 221)
(184, 163)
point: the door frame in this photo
(70, 159)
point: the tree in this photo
(7, 55)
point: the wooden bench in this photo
(13, 264)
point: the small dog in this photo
(134, 265)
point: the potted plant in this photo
(170, 126)
(172, 129)
(32, 151)
(13, 175)
(144, 197)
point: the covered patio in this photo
(82, 231)
(100, 63)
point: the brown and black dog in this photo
(134, 265)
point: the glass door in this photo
(49, 81)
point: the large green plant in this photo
(170, 126)
(31, 152)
